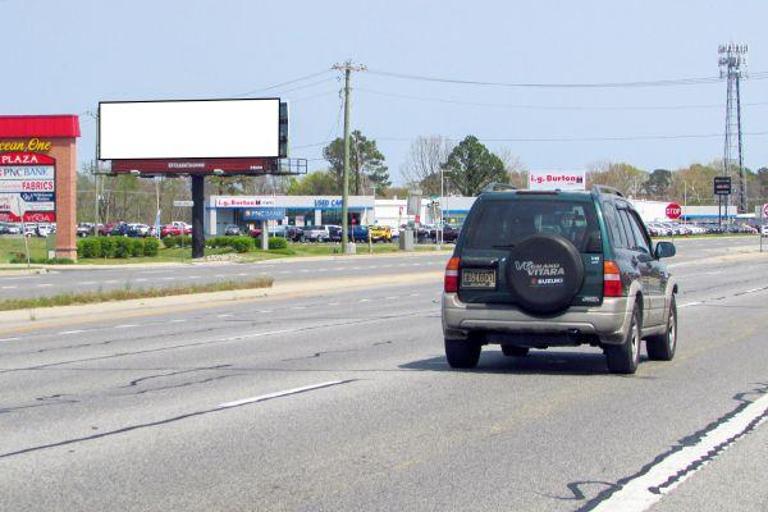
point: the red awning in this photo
(39, 126)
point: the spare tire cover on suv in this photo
(545, 272)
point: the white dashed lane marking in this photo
(76, 331)
(10, 339)
(279, 394)
(125, 326)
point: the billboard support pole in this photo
(198, 214)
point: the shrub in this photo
(122, 247)
(137, 247)
(176, 241)
(278, 243)
(89, 247)
(151, 246)
(107, 245)
(241, 243)
(218, 241)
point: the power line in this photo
(554, 85)
(582, 139)
(281, 84)
(547, 107)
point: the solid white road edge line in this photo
(637, 495)
(278, 394)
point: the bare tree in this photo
(422, 165)
(517, 170)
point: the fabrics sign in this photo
(27, 188)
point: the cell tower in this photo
(733, 66)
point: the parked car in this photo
(254, 232)
(176, 229)
(119, 229)
(357, 233)
(105, 229)
(138, 230)
(536, 271)
(85, 229)
(380, 233)
(232, 230)
(334, 232)
(317, 234)
(294, 234)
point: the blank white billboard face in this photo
(189, 129)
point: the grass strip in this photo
(127, 293)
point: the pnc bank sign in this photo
(33, 145)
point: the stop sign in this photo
(674, 211)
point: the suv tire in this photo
(513, 351)
(625, 358)
(462, 353)
(662, 347)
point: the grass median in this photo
(127, 293)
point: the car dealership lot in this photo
(343, 400)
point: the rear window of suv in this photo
(502, 224)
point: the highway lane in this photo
(343, 401)
(61, 281)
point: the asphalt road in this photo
(343, 401)
(73, 280)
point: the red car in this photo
(175, 229)
(254, 232)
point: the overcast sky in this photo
(66, 56)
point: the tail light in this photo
(612, 280)
(451, 283)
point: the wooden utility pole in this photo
(347, 67)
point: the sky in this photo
(66, 56)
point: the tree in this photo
(762, 185)
(658, 184)
(366, 163)
(422, 165)
(625, 177)
(314, 184)
(516, 169)
(471, 167)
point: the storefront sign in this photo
(33, 145)
(323, 204)
(557, 180)
(242, 202)
(269, 213)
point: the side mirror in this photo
(665, 250)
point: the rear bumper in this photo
(608, 322)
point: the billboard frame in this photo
(186, 158)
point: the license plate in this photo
(475, 278)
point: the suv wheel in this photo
(513, 351)
(462, 353)
(662, 347)
(624, 358)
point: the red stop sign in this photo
(674, 211)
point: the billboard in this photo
(557, 180)
(184, 129)
(27, 192)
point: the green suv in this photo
(539, 269)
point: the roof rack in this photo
(604, 189)
(496, 187)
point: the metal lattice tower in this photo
(733, 67)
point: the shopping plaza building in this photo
(319, 210)
(365, 210)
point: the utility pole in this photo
(347, 67)
(733, 67)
